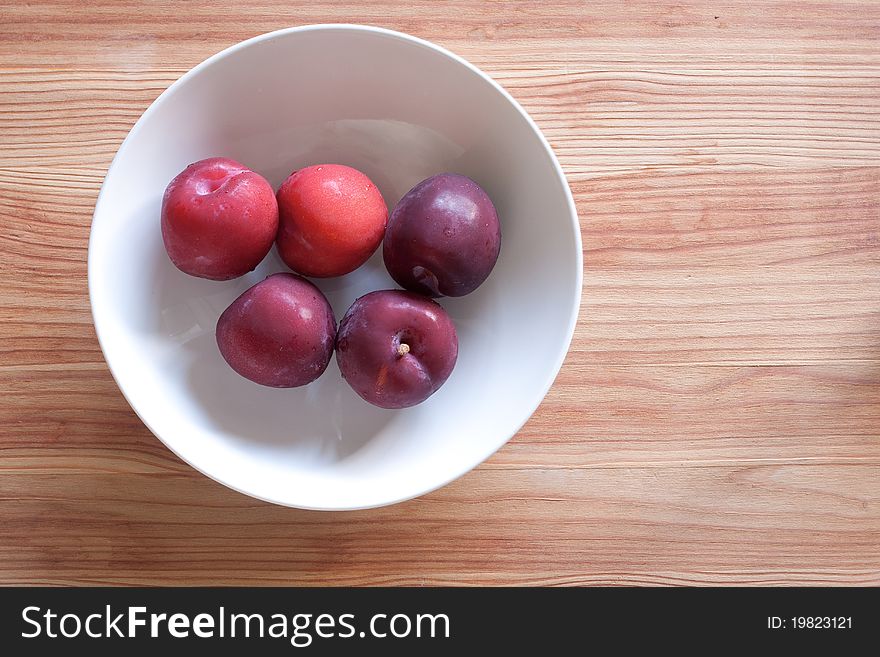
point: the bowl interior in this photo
(399, 110)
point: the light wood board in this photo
(717, 420)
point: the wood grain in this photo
(717, 420)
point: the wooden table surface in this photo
(717, 420)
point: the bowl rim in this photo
(268, 36)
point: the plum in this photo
(443, 237)
(278, 333)
(395, 348)
(332, 219)
(219, 219)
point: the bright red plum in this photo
(219, 219)
(332, 219)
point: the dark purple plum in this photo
(395, 349)
(443, 237)
(278, 333)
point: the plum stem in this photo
(403, 349)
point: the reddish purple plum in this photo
(395, 348)
(278, 333)
(443, 237)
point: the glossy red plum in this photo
(278, 333)
(219, 219)
(443, 237)
(395, 348)
(332, 219)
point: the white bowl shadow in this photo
(325, 419)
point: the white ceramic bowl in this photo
(400, 109)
